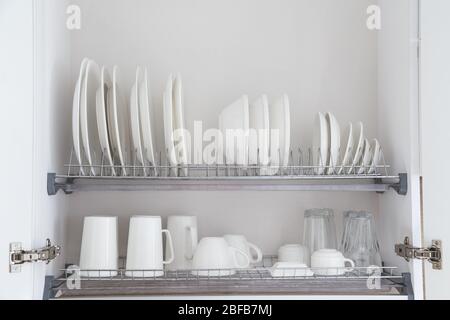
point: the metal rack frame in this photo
(299, 175)
(256, 281)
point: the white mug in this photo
(293, 253)
(145, 247)
(99, 247)
(215, 258)
(183, 230)
(330, 262)
(241, 243)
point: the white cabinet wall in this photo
(319, 52)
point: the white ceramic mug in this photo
(145, 247)
(330, 262)
(183, 230)
(99, 247)
(241, 243)
(215, 258)
(294, 253)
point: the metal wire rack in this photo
(300, 174)
(261, 279)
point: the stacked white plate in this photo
(141, 115)
(257, 134)
(356, 156)
(174, 126)
(101, 122)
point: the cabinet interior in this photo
(320, 53)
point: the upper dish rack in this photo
(299, 175)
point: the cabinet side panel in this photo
(16, 139)
(398, 129)
(435, 111)
(52, 130)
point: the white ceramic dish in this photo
(214, 257)
(376, 156)
(366, 159)
(359, 147)
(182, 151)
(280, 144)
(259, 137)
(335, 143)
(136, 133)
(321, 143)
(234, 125)
(168, 126)
(330, 262)
(76, 135)
(146, 121)
(88, 117)
(348, 155)
(102, 105)
(119, 123)
(290, 270)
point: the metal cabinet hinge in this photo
(18, 256)
(432, 254)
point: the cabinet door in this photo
(16, 141)
(435, 114)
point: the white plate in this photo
(136, 133)
(366, 159)
(181, 148)
(376, 156)
(76, 115)
(280, 136)
(168, 126)
(88, 118)
(234, 124)
(290, 270)
(359, 149)
(259, 138)
(321, 143)
(348, 155)
(102, 105)
(119, 123)
(146, 120)
(335, 143)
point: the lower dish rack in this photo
(261, 280)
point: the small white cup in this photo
(215, 258)
(293, 253)
(241, 243)
(330, 262)
(99, 247)
(145, 247)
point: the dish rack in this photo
(299, 175)
(253, 281)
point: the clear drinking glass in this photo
(319, 230)
(359, 240)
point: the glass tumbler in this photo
(359, 240)
(319, 230)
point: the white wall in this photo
(398, 112)
(435, 109)
(319, 52)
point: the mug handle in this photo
(190, 243)
(258, 251)
(235, 252)
(352, 265)
(170, 243)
